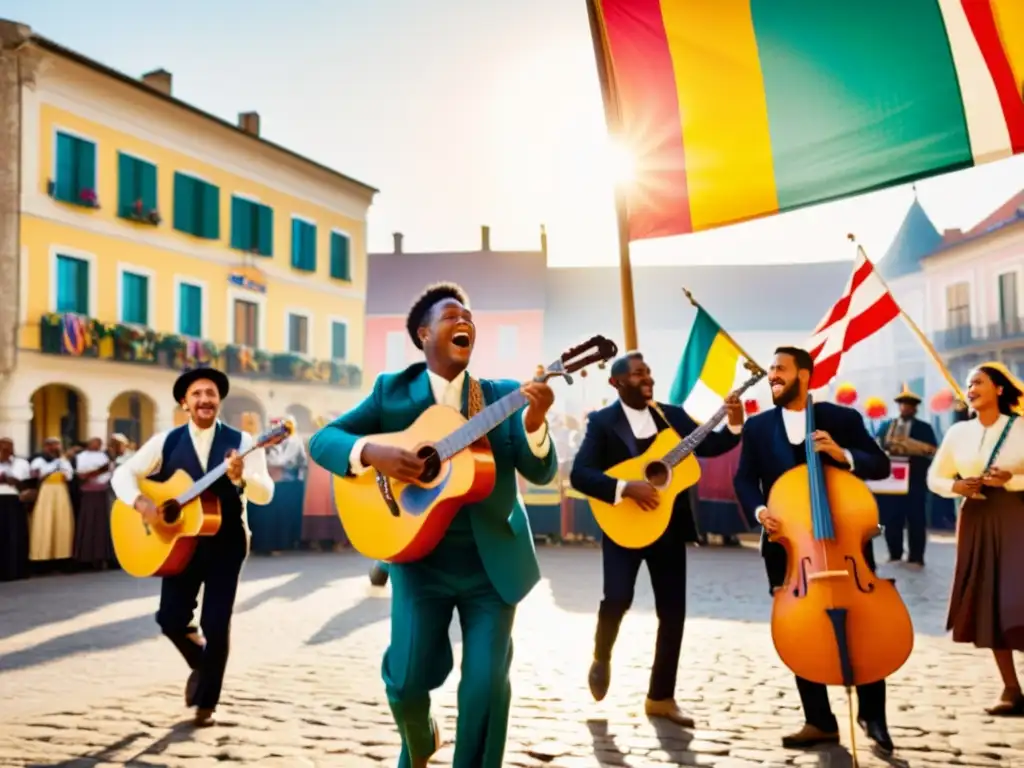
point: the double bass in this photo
(834, 621)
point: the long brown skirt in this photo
(93, 545)
(986, 606)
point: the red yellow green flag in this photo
(736, 109)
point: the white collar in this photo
(196, 431)
(442, 382)
(636, 411)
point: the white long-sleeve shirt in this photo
(44, 467)
(15, 469)
(259, 488)
(450, 393)
(966, 449)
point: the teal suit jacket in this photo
(500, 526)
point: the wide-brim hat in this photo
(1019, 407)
(907, 396)
(186, 379)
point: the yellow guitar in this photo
(670, 466)
(187, 510)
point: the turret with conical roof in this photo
(917, 237)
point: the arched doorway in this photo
(244, 411)
(58, 410)
(133, 414)
(303, 418)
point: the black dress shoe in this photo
(600, 678)
(878, 733)
(378, 575)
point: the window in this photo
(958, 305)
(508, 342)
(303, 245)
(339, 340)
(395, 355)
(190, 310)
(1009, 314)
(298, 334)
(136, 187)
(134, 298)
(72, 285)
(340, 267)
(252, 226)
(196, 207)
(247, 315)
(75, 180)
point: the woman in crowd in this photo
(982, 461)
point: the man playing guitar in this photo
(197, 447)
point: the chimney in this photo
(544, 240)
(398, 241)
(249, 122)
(158, 80)
(485, 238)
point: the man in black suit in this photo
(615, 434)
(774, 443)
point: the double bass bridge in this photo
(806, 578)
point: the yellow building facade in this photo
(151, 237)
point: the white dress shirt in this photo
(450, 393)
(288, 453)
(259, 488)
(641, 421)
(90, 461)
(44, 466)
(795, 423)
(15, 469)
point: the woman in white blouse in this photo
(982, 461)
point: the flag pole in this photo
(751, 365)
(925, 342)
(611, 114)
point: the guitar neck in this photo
(203, 484)
(478, 426)
(689, 443)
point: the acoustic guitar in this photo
(187, 510)
(388, 520)
(670, 466)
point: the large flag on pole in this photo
(865, 307)
(735, 109)
(709, 370)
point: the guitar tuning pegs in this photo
(602, 365)
(540, 370)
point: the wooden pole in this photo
(611, 114)
(751, 365)
(929, 348)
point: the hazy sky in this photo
(463, 112)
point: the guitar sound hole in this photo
(171, 512)
(431, 463)
(657, 474)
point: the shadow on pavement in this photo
(109, 754)
(369, 610)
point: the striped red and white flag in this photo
(865, 307)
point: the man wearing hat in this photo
(912, 438)
(198, 447)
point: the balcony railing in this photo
(78, 336)
(966, 337)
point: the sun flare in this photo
(620, 163)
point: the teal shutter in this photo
(310, 247)
(64, 184)
(184, 203)
(145, 179)
(190, 310)
(85, 161)
(240, 223)
(134, 298)
(210, 201)
(126, 184)
(339, 257)
(339, 341)
(82, 287)
(265, 234)
(296, 243)
(72, 285)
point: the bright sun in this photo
(620, 162)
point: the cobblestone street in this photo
(87, 680)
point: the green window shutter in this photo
(82, 288)
(72, 285)
(146, 185)
(265, 234)
(296, 243)
(126, 183)
(339, 341)
(311, 248)
(134, 298)
(184, 203)
(340, 257)
(64, 184)
(210, 202)
(190, 310)
(85, 161)
(239, 222)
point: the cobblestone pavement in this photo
(86, 680)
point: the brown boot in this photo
(204, 718)
(809, 736)
(668, 709)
